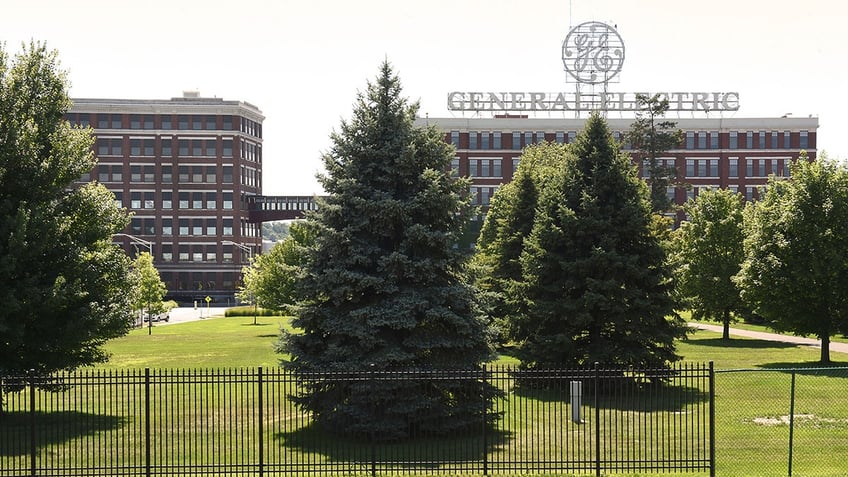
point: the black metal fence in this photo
(242, 422)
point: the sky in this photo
(303, 62)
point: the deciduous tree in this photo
(64, 287)
(795, 273)
(709, 254)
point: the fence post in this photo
(147, 422)
(597, 420)
(485, 422)
(712, 421)
(791, 420)
(32, 448)
(261, 427)
(374, 405)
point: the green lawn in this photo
(751, 407)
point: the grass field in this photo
(751, 407)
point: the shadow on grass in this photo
(257, 324)
(51, 428)
(628, 396)
(834, 369)
(418, 452)
(739, 343)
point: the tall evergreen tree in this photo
(596, 278)
(64, 287)
(650, 136)
(383, 286)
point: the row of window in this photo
(190, 227)
(491, 140)
(198, 281)
(107, 173)
(194, 122)
(186, 200)
(184, 148)
(754, 167)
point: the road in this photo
(836, 347)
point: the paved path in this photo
(836, 347)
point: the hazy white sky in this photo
(302, 62)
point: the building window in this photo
(496, 140)
(762, 139)
(702, 139)
(148, 121)
(211, 122)
(182, 121)
(227, 228)
(196, 200)
(183, 147)
(528, 138)
(166, 148)
(690, 140)
(211, 227)
(228, 123)
(197, 226)
(228, 148)
(227, 174)
(560, 137)
(749, 140)
(135, 200)
(571, 136)
(516, 140)
(135, 173)
(749, 168)
(183, 200)
(454, 135)
(690, 168)
(805, 141)
(774, 139)
(196, 123)
(454, 167)
(197, 147)
(167, 202)
(148, 147)
(135, 121)
(515, 162)
(714, 140)
(733, 169)
(228, 200)
(211, 147)
(734, 140)
(787, 140)
(116, 121)
(211, 200)
(148, 174)
(166, 122)
(472, 140)
(119, 198)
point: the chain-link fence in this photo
(782, 421)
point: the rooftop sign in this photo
(593, 54)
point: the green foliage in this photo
(275, 231)
(507, 225)
(383, 286)
(249, 310)
(593, 272)
(795, 273)
(709, 253)
(64, 286)
(149, 288)
(650, 137)
(272, 277)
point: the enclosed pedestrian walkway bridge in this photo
(268, 208)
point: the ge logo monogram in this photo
(593, 53)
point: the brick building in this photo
(185, 168)
(733, 153)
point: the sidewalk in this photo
(834, 347)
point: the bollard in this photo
(576, 401)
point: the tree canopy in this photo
(272, 277)
(64, 287)
(149, 288)
(709, 253)
(651, 136)
(594, 277)
(383, 286)
(795, 274)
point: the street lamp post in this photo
(249, 251)
(140, 241)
